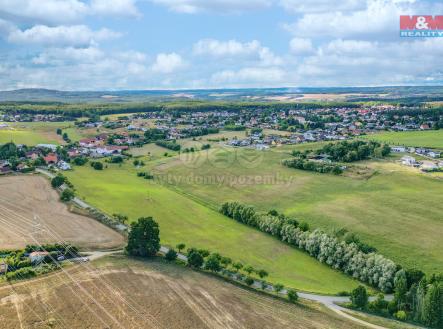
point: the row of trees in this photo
(320, 167)
(371, 268)
(171, 145)
(350, 151)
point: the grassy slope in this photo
(32, 133)
(398, 211)
(181, 219)
(428, 138)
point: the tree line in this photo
(372, 268)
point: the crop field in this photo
(31, 213)
(394, 209)
(134, 294)
(428, 138)
(117, 189)
(32, 133)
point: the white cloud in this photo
(318, 6)
(301, 46)
(61, 56)
(249, 76)
(76, 35)
(219, 6)
(226, 48)
(378, 18)
(233, 48)
(168, 63)
(125, 8)
(53, 11)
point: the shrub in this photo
(67, 195)
(400, 315)
(292, 296)
(249, 281)
(171, 255)
(359, 297)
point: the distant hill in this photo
(264, 94)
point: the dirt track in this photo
(30, 209)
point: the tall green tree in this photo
(400, 289)
(433, 306)
(144, 238)
(359, 297)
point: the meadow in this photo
(394, 209)
(32, 133)
(427, 138)
(117, 189)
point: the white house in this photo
(398, 149)
(37, 257)
(433, 154)
(51, 147)
(429, 166)
(408, 160)
(63, 165)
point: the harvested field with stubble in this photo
(30, 212)
(130, 294)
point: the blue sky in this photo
(168, 44)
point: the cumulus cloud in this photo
(318, 6)
(52, 11)
(249, 76)
(226, 48)
(233, 48)
(168, 63)
(75, 35)
(220, 6)
(126, 8)
(301, 46)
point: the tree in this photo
(213, 263)
(225, 261)
(67, 195)
(97, 165)
(238, 266)
(433, 306)
(58, 181)
(400, 289)
(249, 281)
(262, 274)
(59, 131)
(80, 161)
(359, 297)
(278, 287)
(144, 238)
(292, 296)
(180, 247)
(195, 259)
(248, 269)
(171, 255)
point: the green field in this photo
(428, 138)
(117, 190)
(32, 133)
(396, 209)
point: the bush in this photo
(67, 195)
(401, 315)
(249, 281)
(359, 297)
(80, 161)
(292, 296)
(97, 165)
(171, 255)
(195, 259)
(58, 181)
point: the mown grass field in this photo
(117, 189)
(32, 133)
(399, 211)
(427, 138)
